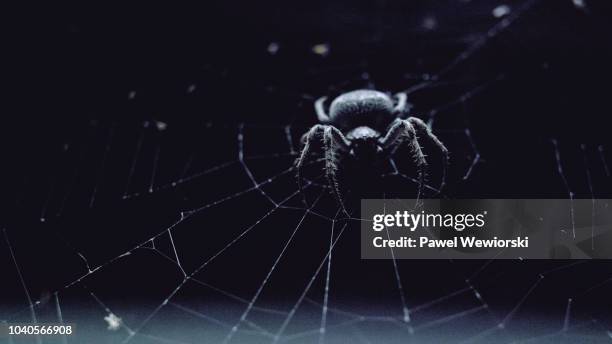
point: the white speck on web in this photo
(429, 23)
(161, 126)
(113, 321)
(321, 49)
(500, 11)
(273, 48)
(579, 4)
(132, 95)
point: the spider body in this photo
(368, 108)
(366, 125)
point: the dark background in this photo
(91, 81)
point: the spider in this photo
(355, 125)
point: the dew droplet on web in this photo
(500, 11)
(273, 48)
(321, 49)
(113, 321)
(161, 126)
(579, 4)
(429, 23)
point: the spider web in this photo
(172, 233)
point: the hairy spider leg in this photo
(320, 110)
(423, 129)
(331, 163)
(299, 163)
(401, 106)
(333, 139)
(402, 131)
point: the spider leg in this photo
(402, 108)
(320, 110)
(331, 142)
(299, 162)
(333, 139)
(401, 103)
(343, 143)
(423, 130)
(402, 131)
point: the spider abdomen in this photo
(362, 108)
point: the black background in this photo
(547, 77)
